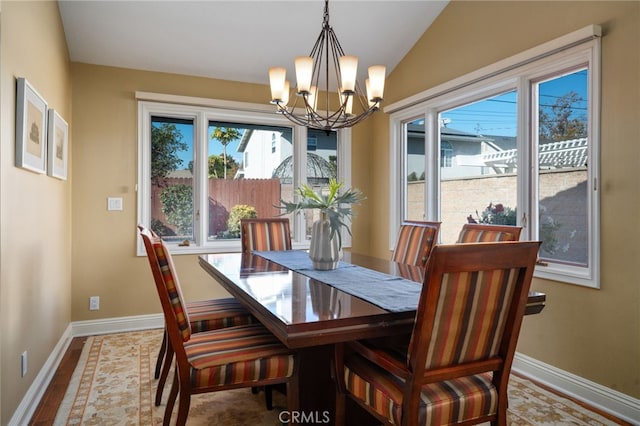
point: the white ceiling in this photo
(238, 40)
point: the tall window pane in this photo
(322, 165)
(238, 188)
(478, 155)
(415, 170)
(562, 167)
(172, 211)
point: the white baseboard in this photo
(32, 398)
(606, 399)
(117, 325)
(603, 398)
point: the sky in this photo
(495, 116)
(215, 147)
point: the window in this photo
(515, 143)
(446, 154)
(195, 180)
(312, 143)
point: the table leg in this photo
(318, 391)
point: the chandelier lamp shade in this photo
(325, 68)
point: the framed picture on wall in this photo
(31, 130)
(57, 142)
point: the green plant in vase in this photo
(335, 208)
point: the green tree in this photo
(177, 206)
(559, 121)
(166, 143)
(225, 135)
(217, 166)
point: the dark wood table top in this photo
(303, 312)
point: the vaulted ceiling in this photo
(238, 40)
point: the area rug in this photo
(113, 384)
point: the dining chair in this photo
(454, 366)
(484, 233)
(265, 234)
(204, 315)
(415, 242)
(214, 360)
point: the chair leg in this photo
(166, 421)
(163, 349)
(293, 397)
(340, 408)
(183, 408)
(268, 397)
(166, 366)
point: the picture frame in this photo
(57, 145)
(31, 130)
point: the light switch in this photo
(114, 203)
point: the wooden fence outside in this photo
(262, 194)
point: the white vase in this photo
(324, 252)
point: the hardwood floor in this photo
(45, 414)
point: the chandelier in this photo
(326, 66)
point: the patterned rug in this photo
(113, 384)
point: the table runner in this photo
(392, 293)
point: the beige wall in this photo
(35, 210)
(105, 155)
(594, 334)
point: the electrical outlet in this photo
(23, 364)
(94, 303)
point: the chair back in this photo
(265, 234)
(470, 310)
(415, 241)
(167, 285)
(484, 233)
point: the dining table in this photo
(310, 310)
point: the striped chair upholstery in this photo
(228, 357)
(209, 361)
(459, 355)
(265, 234)
(212, 314)
(483, 233)
(415, 241)
(196, 316)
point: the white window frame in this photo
(581, 47)
(202, 111)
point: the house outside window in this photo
(446, 154)
(312, 143)
(195, 180)
(519, 147)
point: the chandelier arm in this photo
(327, 47)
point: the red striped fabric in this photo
(173, 288)
(266, 236)
(237, 355)
(414, 244)
(441, 403)
(470, 316)
(484, 236)
(213, 314)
